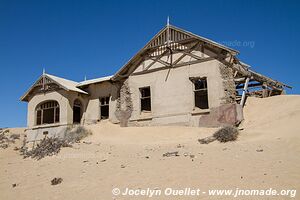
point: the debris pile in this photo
(225, 134)
(169, 154)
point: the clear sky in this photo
(73, 38)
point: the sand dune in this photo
(266, 155)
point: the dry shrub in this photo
(226, 134)
(51, 146)
(76, 134)
(15, 136)
(6, 140)
(47, 147)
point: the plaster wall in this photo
(172, 93)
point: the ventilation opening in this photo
(145, 99)
(104, 108)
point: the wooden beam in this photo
(185, 52)
(250, 85)
(156, 59)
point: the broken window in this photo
(200, 92)
(47, 113)
(77, 111)
(145, 99)
(104, 108)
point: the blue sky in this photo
(72, 39)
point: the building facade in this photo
(177, 78)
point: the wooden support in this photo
(250, 85)
(265, 90)
(186, 52)
(156, 59)
(244, 92)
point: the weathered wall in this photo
(65, 100)
(97, 91)
(228, 84)
(124, 105)
(59, 96)
(172, 95)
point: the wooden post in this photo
(265, 90)
(244, 91)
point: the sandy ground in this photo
(265, 156)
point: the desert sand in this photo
(266, 155)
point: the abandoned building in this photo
(177, 78)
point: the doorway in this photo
(77, 111)
(104, 107)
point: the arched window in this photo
(77, 111)
(47, 113)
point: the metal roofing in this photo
(92, 81)
(64, 83)
(67, 84)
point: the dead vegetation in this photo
(6, 138)
(50, 146)
(77, 134)
(224, 134)
(47, 147)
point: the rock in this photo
(259, 150)
(56, 181)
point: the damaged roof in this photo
(178, 31)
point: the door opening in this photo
(104, 108)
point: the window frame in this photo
(203, 90)
(106, 103)
(145, 98)
(47, 105)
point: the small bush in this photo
(226, 134)
(5, 140)
(77, 134)
(47, 147)
(51, 146)
(15, 136)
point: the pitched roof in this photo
(96, 80)
(64, 83)
(67, 84)
(174, 33)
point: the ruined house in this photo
(177, 78)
